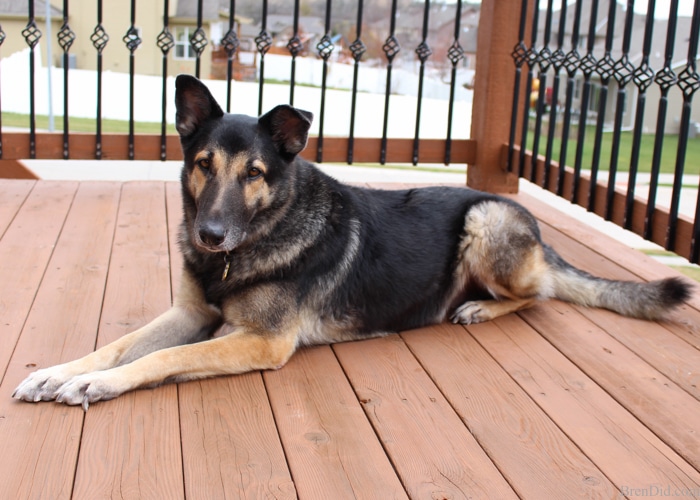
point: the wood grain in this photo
(12, 196)
(25, 250)
(654, 342)
(534, 455)
(434, 453)
(230, 444)
(131, 445)
(331, 447)
(663, 406)
(626, 451)
(61, 326)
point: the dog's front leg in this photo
(179, 325)
(231, 354)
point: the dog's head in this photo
(238, 170)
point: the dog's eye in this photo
(204, 164)
(254, 173)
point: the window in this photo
(183, 49)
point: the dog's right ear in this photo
(194, 104)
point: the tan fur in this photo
(516, 279)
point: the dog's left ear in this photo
(194, 103)
(288, 127)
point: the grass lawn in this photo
(83, 124)
(646, 151)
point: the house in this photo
(656, 63)
(82, 22)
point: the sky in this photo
(685, 7)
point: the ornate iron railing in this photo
(607, 59)
(230, 43)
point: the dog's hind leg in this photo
(501, 253)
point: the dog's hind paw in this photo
(470, 313)
(42, 385)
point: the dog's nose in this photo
(212, 233)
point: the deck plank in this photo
(230, 444)
(138, 289)
(434, 453)
(13, 196)
(61, 326)
(663, 406)
(644, 338)
(535, 456)
(625, 450)
(330, 446)
(25, 250)
(531, 404)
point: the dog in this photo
(287, 256)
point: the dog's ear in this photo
(288, 127)
(194, 103)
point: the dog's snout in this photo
(212, 233)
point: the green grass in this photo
(646, 151)
(83, 124)
(691, 271)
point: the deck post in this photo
(493, 95)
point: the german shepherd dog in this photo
(286, 256)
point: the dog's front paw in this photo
(89, 388)
(42, 384)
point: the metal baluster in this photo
(165, 42)
(587, 65)
(605, 69)
(622, 71)
(455, 54)
(66, 37)
(263, 42)
(198, 40)
(423, 52)
(32, 34)
(230, 44)
(642, 77)
(357, 48)
(294, 46)
(665, 79)
(558, 58)
(571, 64)
(689, 83)
(132, 41)
(391, 47)
(325, 48)
(544, 61)
(519, 55)
(99, 39)
(530, 60)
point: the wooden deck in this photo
(555, 402)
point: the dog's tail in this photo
(652, 300)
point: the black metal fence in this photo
(231, 45)
(576, 91)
